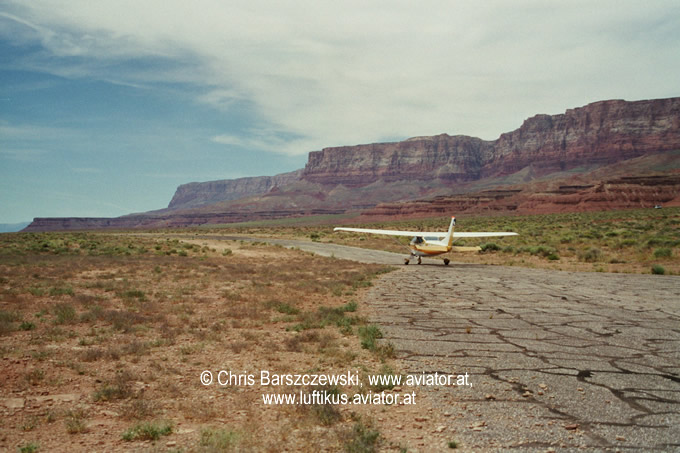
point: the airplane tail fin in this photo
(449, 235)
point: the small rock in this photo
(478, 426)
(171, 443)
(12, 403)
(620, 438)
(571, 427)
(422, 419)
(526, 394)
(543, 386)
(440, 429)
(489, 396)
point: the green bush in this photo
(657, 269)
(147, 431)
(663, 253)
(368, 335)
(490, 247)
(219, 439)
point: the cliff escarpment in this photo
(454, 159)
(196, 194)
(597, 134)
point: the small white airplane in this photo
(431, 244)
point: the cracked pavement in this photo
(557, 359)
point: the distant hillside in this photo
(196, 194)
(362, 177)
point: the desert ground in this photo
(106, 338)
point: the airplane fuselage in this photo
(428, 246)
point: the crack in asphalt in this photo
(606, 344)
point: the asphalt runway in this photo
(557, 360)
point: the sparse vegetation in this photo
(76, 421)
(362, 438)
(611, 241)
(214, 439)
(148, 431)
(368, 335)
(117, 325)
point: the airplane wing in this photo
(439, 234)
(390, 232)
(472, 234)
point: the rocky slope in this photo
(336, 180)
(643, 182)
(204, 193)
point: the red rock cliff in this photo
(599, 133)
(457, 158)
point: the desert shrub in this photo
(362, 438)
(326, 316)
(30, 447)
(65, 313)
(119, 388)
(61, 291)
(490, 247)
(139, 408)
(213, 439)
(627, 243)
(368, 336)
(7, 319)
(591, 255)
(657, 269)
(148, 431)
(75, 421)
(133, 294)
(282, 307)
(26, 325)
(663, 253)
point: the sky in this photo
(107, 106)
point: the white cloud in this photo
(327, 73)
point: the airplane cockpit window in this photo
(417, 240)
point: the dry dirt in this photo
(96, 349)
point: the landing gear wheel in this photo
(419, 260)
(446, 261)
(406, 261)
